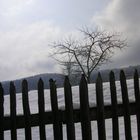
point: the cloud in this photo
(13, 7)
(123, 16)
(24, 50)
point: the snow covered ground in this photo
(92, 99)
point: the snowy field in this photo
(92, 99)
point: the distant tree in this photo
(88, 53)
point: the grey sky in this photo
(28, 26)
(123, 16)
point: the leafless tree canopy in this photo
(94, 49)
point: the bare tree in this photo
(94, 49)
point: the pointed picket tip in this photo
(40, 85)
(66, 80)
(1, 90)
(1, 87)
(136, 73)
(11, 83)
(51, 80)
(24, 86)
(24, 82)
(99, 77)
(83, 79)
(112, 75)
(52, 83)
(40, 81)
(12, 86)
(123, 78)
(122, 74)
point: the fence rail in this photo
(85, 114)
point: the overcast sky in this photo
(27, 27)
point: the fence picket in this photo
(41, 106)
(69, 110)
(13, 111)
(137, 98)
(1, 112)
(84, 110)
(57, 124)
(26, 110)
(127, 123)
(115, 124)
(100, 109)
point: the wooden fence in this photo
(70, 116)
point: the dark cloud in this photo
(123, 16)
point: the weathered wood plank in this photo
(125, 99)
(69, 110)
(100, 109)
(26, 110)
(1, 112)
(13, 111)
(137, 98)
(84, 110)
(41, 107)
(34, 118)
(115, 124)
(57, 124)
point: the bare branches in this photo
(93, 50)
